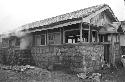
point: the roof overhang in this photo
(81, 19)
(56, 26)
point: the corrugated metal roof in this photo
(76, 14)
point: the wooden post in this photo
(116, 37)
(61, 31)
(119, 44)
(33, 41)
(112, 49)
(90, 34)
(96, 37)
(119, 38)
(81, 39)
(46, 37)
(64, 37)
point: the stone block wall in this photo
(77, 57)
(13, 56)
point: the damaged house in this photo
(81, 40)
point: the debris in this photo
(23, 68)
(82, 75)
(39, 73)
(96, 77)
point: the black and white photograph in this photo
(62, 40)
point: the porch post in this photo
(112, 47)
(62, 35)
(116, 37)
(119, 37)
(46, 37)
(119, 44)
(81, 39)
(97, 36)
(90, 34)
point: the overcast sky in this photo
(14, 13)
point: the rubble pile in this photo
(28, 72)
(93, 77)
(39, 74)
(63, 77)
(34, 74)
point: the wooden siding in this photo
(122, 40)
(100, 19)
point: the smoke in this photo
(25, 41)
(20, 34)
(25, 38)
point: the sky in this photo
(15, 13)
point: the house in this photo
(75, 40)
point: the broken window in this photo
(94, 36)
(40, 40)
(85, 35)
(103, 38)
(54, 38)
(72, 36)
(17, 42)
(43, 39)
(5, 42)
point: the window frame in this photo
(40, 40)
(54, 38)
(17, 40)
(65, 34)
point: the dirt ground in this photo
(108, 75)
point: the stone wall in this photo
(15, 56)
(77, 57)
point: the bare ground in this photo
(108, 75)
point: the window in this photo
(5, 42)
(40, 40)
(104, 38)
(101, 38)
(72, 36)
(51, 38)
(94, 36)
(85, 35)
(43, 38)
(54, 38)
(17, 43)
